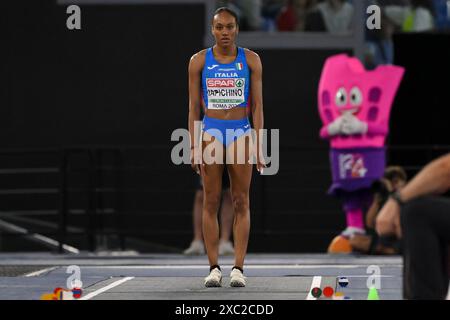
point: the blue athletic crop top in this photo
(225, 86)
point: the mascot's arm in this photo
(332, 129)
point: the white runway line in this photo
(39, 272)
(101, 290)
(314, 284)
(268, 266)
(368, 275)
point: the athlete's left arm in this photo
(255, 66)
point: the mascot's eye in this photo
(341, 97)
(355, 97)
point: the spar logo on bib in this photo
(225, 93)
(220, 83)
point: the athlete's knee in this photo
(240, 202)
(211, 202)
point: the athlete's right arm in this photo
(433, 179)
(195, 68)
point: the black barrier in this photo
(125, 222)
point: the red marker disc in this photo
(328, 292)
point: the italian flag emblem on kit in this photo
(239, 66)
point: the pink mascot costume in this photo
(354, 105)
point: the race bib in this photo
(225, 93)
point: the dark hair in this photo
(226, 9)
(394, 172)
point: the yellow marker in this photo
(338, 296)
(48, 296)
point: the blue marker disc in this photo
(343, 282)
